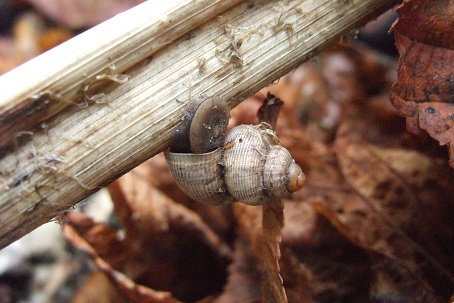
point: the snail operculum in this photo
(204, 125)
(195, 159)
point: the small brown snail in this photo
(250, 166)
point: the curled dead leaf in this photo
(160, 248)
(134, 292)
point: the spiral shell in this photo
(281, 175)
(256, 169)
(251, 166)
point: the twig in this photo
(269, 111)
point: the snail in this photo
(247, 165)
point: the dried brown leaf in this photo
(134, 292)
(424, 91)
(269, 252)
(98, 289)
(168, 233)
(265, 241)
(145, 210)
(383, 215)
(164, 245)
(403, 191)
(243, 284)
(339, 271)
(269, 111)
(296, 277)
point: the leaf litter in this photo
(362, 228)
(372, 224)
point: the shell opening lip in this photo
(296, 177)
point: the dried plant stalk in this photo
(47, 170)
(273, 290)
(45, 85)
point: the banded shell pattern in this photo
(199, 176)
(250, 166)
(257, 168)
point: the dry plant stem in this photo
(45, 85)
(273, 290)
(269, 111)
(81, 149)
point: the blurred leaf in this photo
(98, 289)
(164, 245)
(424, 91)
(7, 55)
(82, 13)
(96, 233)
(243, 285)
(53, 37)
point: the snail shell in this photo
(250, 167)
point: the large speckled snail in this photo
(250, 166)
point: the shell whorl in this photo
(244, 161)
(275, 173)
(195, 158)
(199, 176)
(296, 177)
(256, 168)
